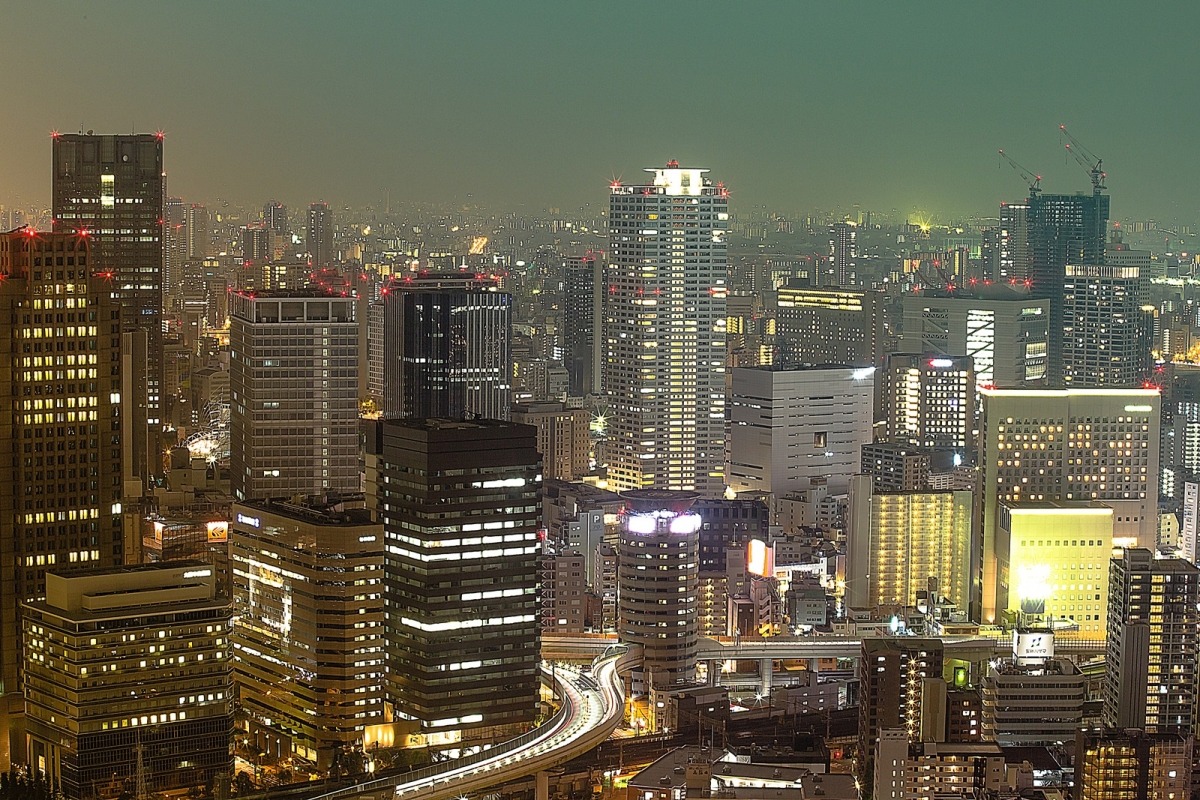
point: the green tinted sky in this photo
(794, 104)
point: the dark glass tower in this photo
(446, 348)
(1063, 229)
(582, 309)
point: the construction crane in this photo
(1087, 159)
(1034, 181)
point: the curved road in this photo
(592, 708)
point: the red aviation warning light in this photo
(160, 134)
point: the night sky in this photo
(527, 105)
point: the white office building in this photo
(791, 426)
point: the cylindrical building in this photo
(658, 577)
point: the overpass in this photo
(592, 708)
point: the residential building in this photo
(843, 253)
(891, 676)
(583, 320)
(896, 467)
(664, 373)
(1152, 643)
(1103, 341)
(318, 238)
(563, 437)
(929, 401)
(1132, 765)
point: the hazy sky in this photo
(795, 105)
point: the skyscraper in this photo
(275, 218)
(458, 500)
(665, 332)
(199, 232)
(1152, 640)
(1063, 229)
(61, 498)
(843, 253)
(112, 186)
(443, 348)
(293, 390)
(256, 246)
(583, 317)
(1014, 242)
(175, 250)
(1103, 341)
(318, 239)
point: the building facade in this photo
(792, 426)
(126, 664)
(444, 348)
(60, 331)
(318, 236)
(563, 437)
(665, 332)
(583, 321)
(657, 579)
(112, 187)
(828, 326)
(1067, 445)
(308, 610)
(1103, 332)
(929, 401)
(293, 390)
(1001, 328)
(459, 502)
(1152, 642)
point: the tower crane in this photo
(1092, 163)
(1034, 181)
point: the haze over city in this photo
(530, 105)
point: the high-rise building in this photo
(275, 218)
(1152, 641)
(1038, 703)
(175, 250)
(1063, 229)
(907, 769)
(318, 239)
(1014, 242)
(829, 326)
(896, 467)
(300, 624)
(905, 547)
(199, 232)
(293, 390)
(892, 675)
(112, 186)
(1132, 765)
(563, 438)
(665, 332)
(583, 318)
(442, 348)
(929, 401)
(1066, 445)
(1103, 341)
(459, 504)
(1001, 328)
(657, 577)
(790, 427)
(61, 441)
(1056, 555)
(256, 246)
(843, 253)
(128, 675)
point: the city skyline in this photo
(814, 105)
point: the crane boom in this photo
(1091, 162)
(1033, 180)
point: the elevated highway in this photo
(592, 708)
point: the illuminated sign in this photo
(1140, 409)
(758, 558)
(940, 363)
(253, 522)
(1036, 645)
(218, 531)
(198, 573)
